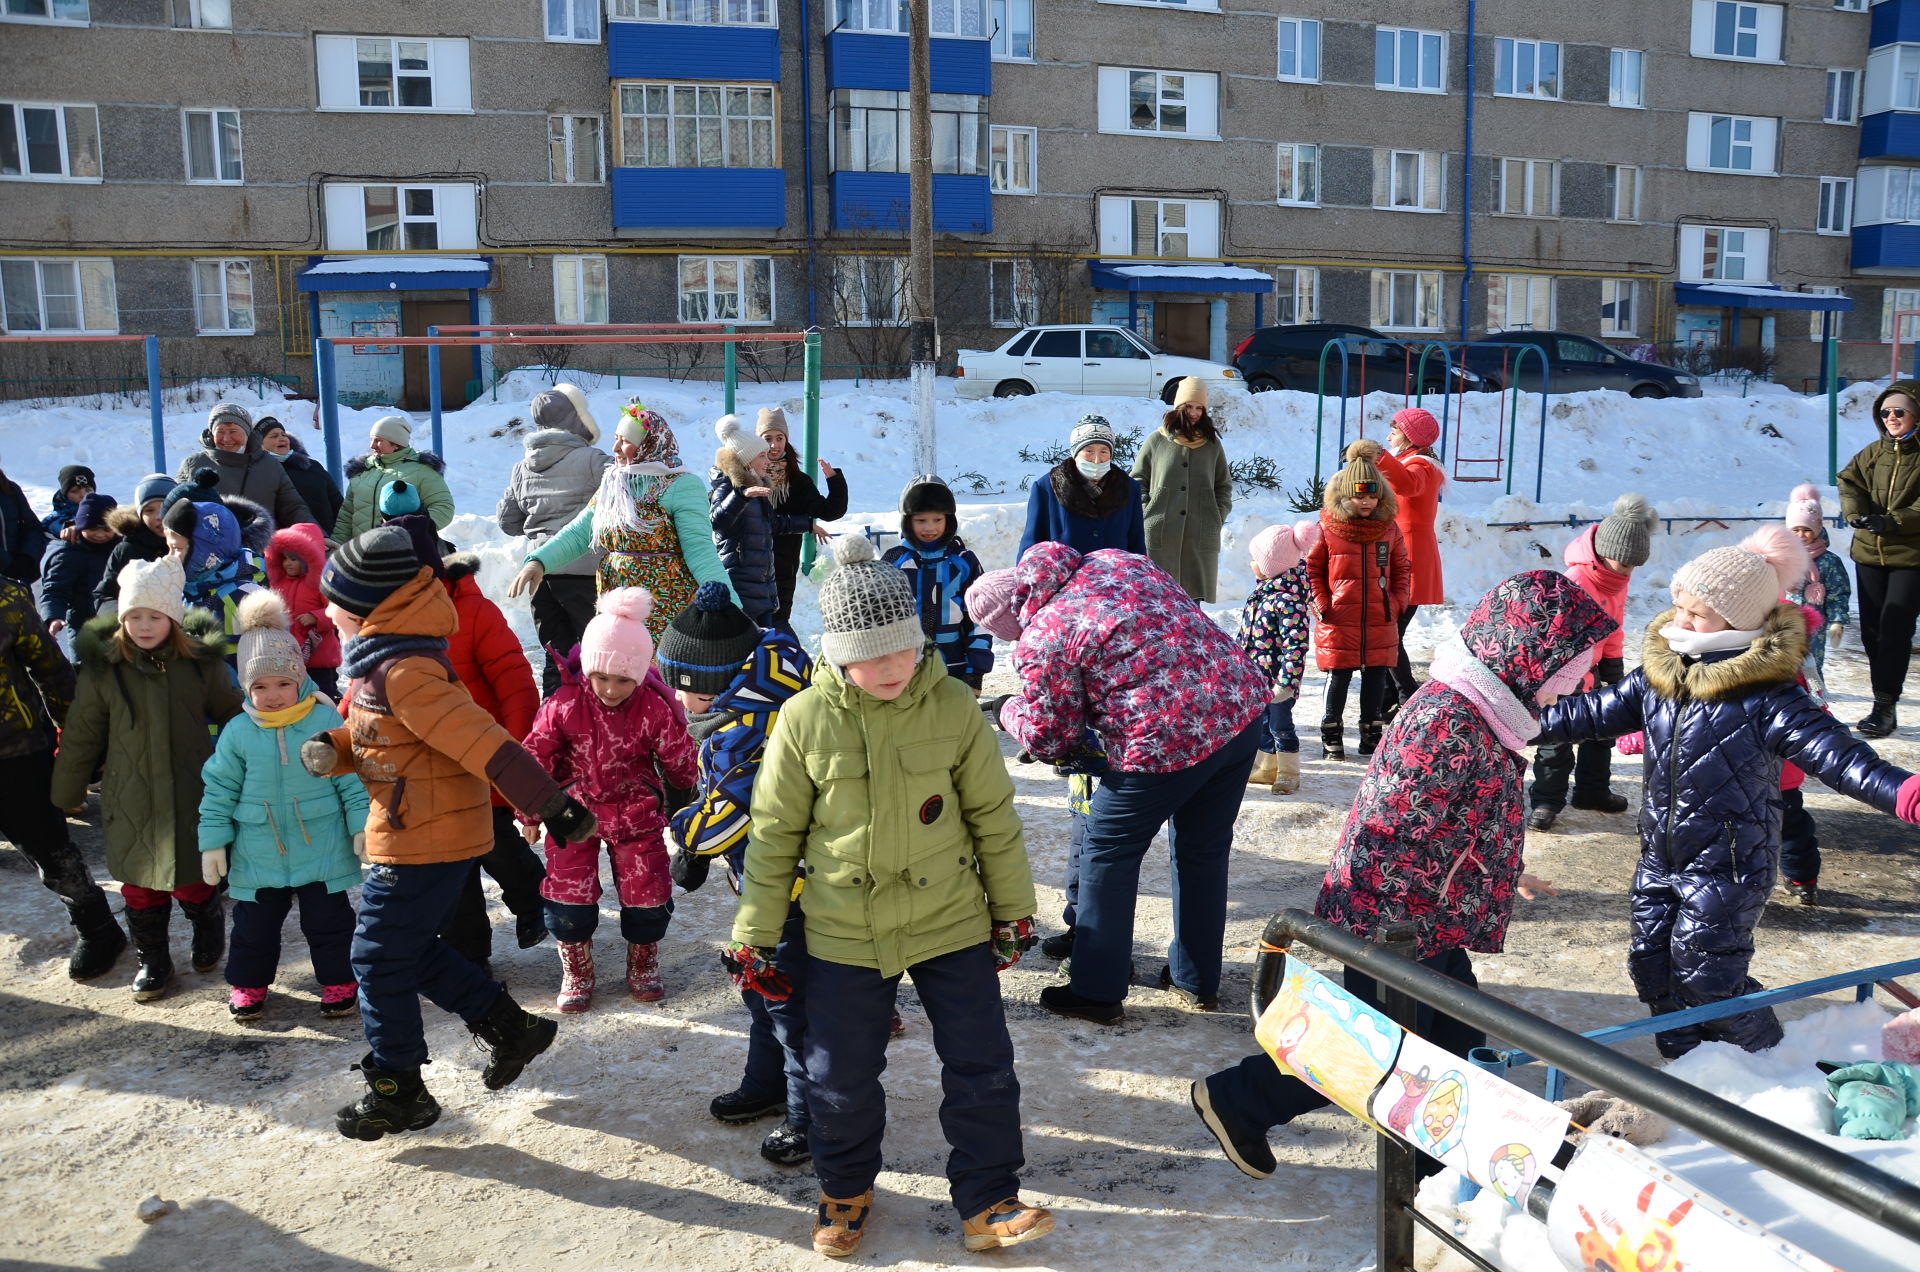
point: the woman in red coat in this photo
(1409, 466)
(1361, 581)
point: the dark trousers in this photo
(1257, 1095)
(846, 1052)
(32, 824)
(1799, 840)
(786, 573)
(516, 868)
(326, 918)
(1277, 734)
(1889, 600)
(1403, 682)
(639, 925)
(777, 1038)
(1201, 803)
(1589, 764)
(398, 958)
(562, 608)
(1373, 694)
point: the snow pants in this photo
(326, 919)
(399, 958)
(1589, 764)
(562, 608)
(30, 822)
(572, 889)
(777, 1037)
(1693, 941)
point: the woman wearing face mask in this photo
(310, 478)
(1084, 501)
(1880, 498)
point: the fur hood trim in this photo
(1773, 659)
(124, 519)
(360, 463)
(462, 565)
(93, 644)
(735, 469)
(256, 524)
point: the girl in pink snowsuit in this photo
(615, 737)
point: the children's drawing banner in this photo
(1617, 1208)
(1331, 1040)
(1481, 1125)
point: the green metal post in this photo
(733, 369)
(810, 448)
(1830, 367)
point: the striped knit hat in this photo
(369, 568)
(703, 648)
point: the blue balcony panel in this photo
(1891, 134)
(663, 51)
(699, 198)
(879, 201)
(1887, 248)
(858, 60)
(1897, 22)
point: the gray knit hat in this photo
(369, 568)
(1626, 534)
(1090, 429)
(867, 608)
(397, 429)
(267, 646)
(233, 411)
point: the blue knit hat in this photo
(151, 487)
(212, 531)
(399, 499)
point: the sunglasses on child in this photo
(1366, 487)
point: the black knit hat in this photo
(368, 568)
(76, 472)
(702, 649)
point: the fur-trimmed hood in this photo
(461, 565)
(736, 470)
(94, 646)
(125, 520)
(256, 524)
(361, 463)
(1774, 658)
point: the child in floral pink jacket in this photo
(1274, 629)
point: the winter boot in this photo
(786, 1145)
(1333, 743)
(101, 939)
(1006, 1223)
(576, 976)
(514, 1035)
(1370, 731)
(150, 940)
(530, 929)
(1251, 1154)
(1606, 801)
(1807, 893)
(643, 973)
(1286, 773)
(842, 1222)
(1264, 769)
(339, 1000)
(209, 919)
(736, 1108)
(395, 1101)
(247, 1003)
(1543, 816)
(1058, 947)
(1880, 722)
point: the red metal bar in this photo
(365, 342)
(62, 339)
(585, 328)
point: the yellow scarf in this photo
(285, 716)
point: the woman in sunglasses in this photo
(1880, 498)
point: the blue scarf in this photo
(362, 654)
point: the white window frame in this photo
(1422, 41)
(199, 15)
(91, 320)
(53, 16)
(1895, 300)
(1611, 290)
(696, 12)
(1892, 81)
(1199, 220)
(569, 128)
(570, 12)
(1020, 179)
(1297, 165)
(1886, 195)
(222, 268)
(1757, 137)
(882, 18)
(1538, 184)
(1624, 65)
(1303, 34)
(1835, 210)
(859, 280)
(1021, 288)
(1815, 315)
(1429, 179)
(1634, 188)
(1299, 285)
(1003, 19)
(217, 141)
(1198, 96)
(1763, 22)
(456, 215)
(1740, 254)
(763, 102)
(1531, 295)
(63, 122)
(1849, 6)
(1843, 96)
(574, 297)
(712, 308)
(449, 74)
(1510, 55)
(1427, 298)
(1191, 6)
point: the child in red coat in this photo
(614, 736)
(1362, 579)
(295, 556)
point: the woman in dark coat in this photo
(798, 506)
(1084, 501)
(309, 477)
(231, 450)
(743, 517)
(1880, 498)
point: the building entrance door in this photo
(1182, 327)
(456, 362)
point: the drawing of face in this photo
(1442, 1112)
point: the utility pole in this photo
(922, 335)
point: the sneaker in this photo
(1252, 1156)
(1604, 802)
(513, 1035)
(530, 929)
(1199, 1002)
(737, 1108)
(1542, 817)
(1062, 1001)
(1006, 1223)
(247, 1003)
(1807, 893)
(841, 1223)
(1058, 947)
(395, 1102)
(339, 1000)
(786, 1145)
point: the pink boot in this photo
(576, 976)
(643, 973)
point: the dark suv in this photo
(1574, 365)
(1289, 358)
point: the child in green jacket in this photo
(884, 778)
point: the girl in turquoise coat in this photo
(273, 831)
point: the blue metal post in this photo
(323, 374)
(154, 405)
(433, 394)
(731, 359)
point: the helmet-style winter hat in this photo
(703, 648)
(867, 608)
(1626, 533)
(1418, 426)
(1743, 583)
(734, 437)
(1090, 429)
(267, 646)
(368, 568)
(212, 532)
(990, 604)
(1359, 477)
(203, 486)
(92, 511)
(772, 420)
(397, 429)
(1275, 551)
(564, 407)
(398, 499)
(927, 493)
(616, 642)
(1803, 508)
(159, 585)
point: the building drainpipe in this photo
(806, 148)
(1466, 204)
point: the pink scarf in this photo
(1473, 680)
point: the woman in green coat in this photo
(390, 457)
(1183, 476)
(1880, 498)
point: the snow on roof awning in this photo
(1737, 296)
(396, 273)
(1113, 276)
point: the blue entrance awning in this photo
(396, 273)
(1197, 277)
(1740, 296)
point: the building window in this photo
(1619, 307)
(1147, 227)
(1893, 79)
(580, 289)
(961, 19)
(1730, 29)
(1014, 293)
(870, 132)
(1526, 68)
(1299, 174)
(1527, 187)
(694, 12)
(1901, 304)
(1623, 192)
(395, 217)
(1836, 205)
(205, 15)
(574, 21)
(697, 126)
(1843, 95)
(1011, 166)
(1816, 318)
(1409, 61)
(73, 12)
(401, 217)
(574, 156)
(1012, 30)
(1887, 194)
(1731, 143)
(52, 296)
(46, 142)
(1626, 78)
(1519, 302)
(1851, 6)
(1170, 103)
(1719, 253)
(1406, 300)
(1296, 295)
(1300, 50)
(213, 145)
(1409, 180)
(387, 73)
(726, 289)
(223, 297)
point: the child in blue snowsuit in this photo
(73, 568)
(733, 678)
(942, 568)
(221, 542)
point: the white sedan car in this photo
(1077, 358)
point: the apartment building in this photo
(238, 176)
